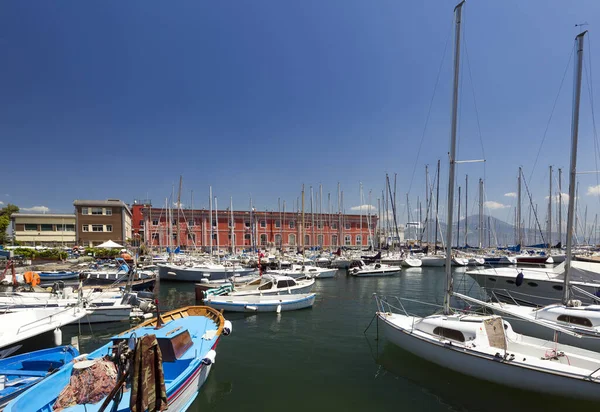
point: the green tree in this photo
(5, 214)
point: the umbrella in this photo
(110, 245)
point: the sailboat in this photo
(582, 320)
(486, 346)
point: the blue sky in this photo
(117, 99)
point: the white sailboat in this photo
(570, 314)
(486, 347)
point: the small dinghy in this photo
(19, 373)
(375, 269)
(257, 303)
(60, 275)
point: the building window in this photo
(97, 228)
(247, 237)
(85, 228)
(84, 211)
(320, 240)
(278, 240)
(292, 240)
(141, 223)
(347, 240)
(292, 224)
(306, 240)
(46, 227)
(334, 225)
(348, 226)
(190, 223)
(69, 228)
(214, 223)
(320, 225)
(278, 224)
(109, 228)
(263, 223)
(154, 236)
(247, 224)
(263, 240)
(192, 237)
(30, 227)
(96, 211)
(108, 211)
(231, 222)
(155, 223)
(307, 225)
(358, 239)
(334, 240)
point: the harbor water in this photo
(321, 359)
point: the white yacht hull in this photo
(486, 367)
(433, 261)
(252, 304)
(412, 263)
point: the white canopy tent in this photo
(110, 245)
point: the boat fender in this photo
(2, 382)
(210, 357)
(227, 328)
(57, 337)
(519, 279)
(278, 308)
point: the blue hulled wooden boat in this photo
(186, 340)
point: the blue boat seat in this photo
(22, 372)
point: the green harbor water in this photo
(321, 359)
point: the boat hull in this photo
(487, 368)
(236, 305)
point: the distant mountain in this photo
(501, 233)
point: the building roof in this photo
(53, 215)
(108, 202)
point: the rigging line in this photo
(475, 106)
(551, 113)
(537, 222)
(437, 81)
(588, 78)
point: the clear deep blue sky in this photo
(117, 99)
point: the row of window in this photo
(263, 224)
(264, 241)
(106, 211)
(48, 227)
(96, 228)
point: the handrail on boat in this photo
(47, 317)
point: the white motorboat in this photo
(274, 285)
(459, 261)
(476, 261)
(411, 262)
(297, 271)
(258, 303)
(375, 269)
(199, 271)
(35, 326)
(433, 261)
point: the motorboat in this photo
(375, 269)
(297, 271)
(188, 339)
(433, 261)
(411, 261)
(274, 285)
(197, 271)
(499, 260)
(258, 303)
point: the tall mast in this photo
(232, 224)
(312, 219)
(480, 213)
(217, 226)
(427, 205)
(210, 220)
(519, 238)
(550, 212)
(451, 166)
(466, 210)
(559, 205)
(178, 209)
(573, 165)
(361, 202)
(458, 220)
(437, 201)
(321, 215)
(302, 231)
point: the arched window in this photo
(359, 239)
(334, 240)
(320, 240)
(292, 240)
(306, 240)
(348, 240)
(263, 239)
(278, 240)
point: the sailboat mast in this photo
(458, 220)
(437, 205)
(302, 231)
(232, 224)
(480, 213)
(550, 212)
(210, 220)
(451, 166)
(573, 165)
(559, 205)
(427, 205)
(466, 210)
(519, 239)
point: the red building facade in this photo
(244, 229)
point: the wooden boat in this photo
(57, 275)
(257, 303)
(187, 339)
(19, 373)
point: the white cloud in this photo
(565, 198)
(36, 209)
(364, 208)
(511, 194)
(593, 190)
(490, 204)
(1, 202)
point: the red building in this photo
(243, 229)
